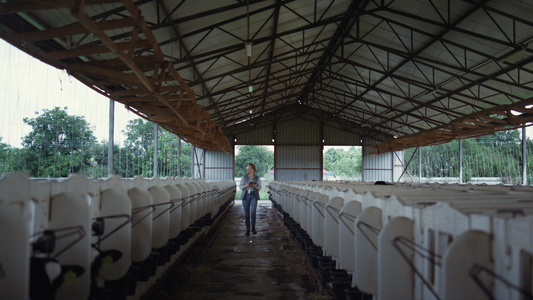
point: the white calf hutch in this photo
(417, 241)
(99, 239)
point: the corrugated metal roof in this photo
(424, 71)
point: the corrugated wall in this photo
(254, 135)
(384, 167)
(298, 151)
(336, 137)
(298, 148)
(398, 167)
(298, 132)
(198, 158)
(298, 163)
(219, 165)
(377, 167)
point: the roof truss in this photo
(417, 70)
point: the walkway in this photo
(230, 265)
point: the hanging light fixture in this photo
(248, 46)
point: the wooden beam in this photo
(28, 6)
(462, 128)
(92, 50)
(106, 40)
(104, 73)
(148, 85)
(164, 90)
(72, 29)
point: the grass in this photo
(263, 194)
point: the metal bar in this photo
(413, 246)
(461, 161)
(111, 137)
(524, 156)
(405, 166)
(329, 209)
(360, 225)
(128, 219)
(349, 217)
(156, 148)
(72, 231)
(477, 269)
(419, 50)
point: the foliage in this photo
(263, 193)
(139, 148)
(55, 146)
(168, 155)
(60, 144)
(138, 159)
(497, 155)
(341, 162)
(10, 159)
(260, 156)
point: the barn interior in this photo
(400, 73)
(385, 75)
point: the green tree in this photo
(168, 155)
(437, 161)
(344, 162)
(496, 155)
(350, 163)
(136, 158)
(260, 156)
(98, 160)
(10, 159)
(139, 146)
(331, 156)
(55, 147)
(4, 156)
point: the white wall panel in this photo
(254, 135)
(298, 163)
(377, 167)
(298, 131)
(398, 167)
(336, 137)
(219, 165)
(198, 160)
(384, 167)
(298, 148)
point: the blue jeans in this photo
(250, 205)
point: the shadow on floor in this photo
(226, 264)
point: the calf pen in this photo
(416, 241)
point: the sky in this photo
(28, 85)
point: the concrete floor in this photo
(226, 264)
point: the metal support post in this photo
(156, 148)
(111, 137)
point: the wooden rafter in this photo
(147, 83)
(378, 65)
(488, 121)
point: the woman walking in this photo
(250, 185)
